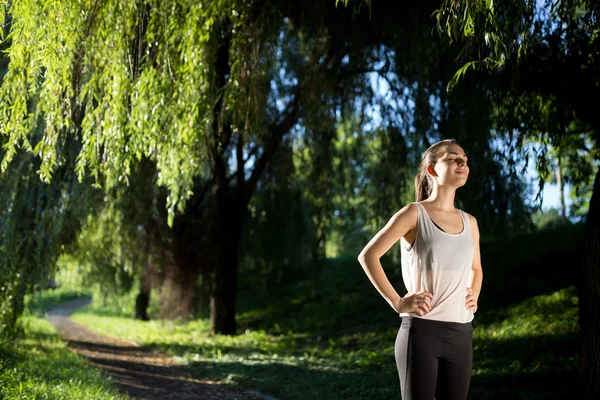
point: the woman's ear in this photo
(431, 170)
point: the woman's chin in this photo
(460, 182)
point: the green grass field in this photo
(39, 366)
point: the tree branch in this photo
(278, 129)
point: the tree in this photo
(207, 92)
(192, 93)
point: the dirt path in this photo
(138, 372)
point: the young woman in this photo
(441, 269)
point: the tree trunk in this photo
(559, 183)
(142, 300)
(192, 253)
(232, 203)
(178, 290)
(589, 300)
(201, 301)
(224, 282)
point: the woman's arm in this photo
(476, 276)
(399, 225)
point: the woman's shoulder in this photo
(411, 208)
(472, 220)
(409, 212)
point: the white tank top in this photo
(439, 263)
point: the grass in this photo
(39, 366)
(335, 340)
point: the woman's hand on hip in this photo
(417, 303)
(470, 301)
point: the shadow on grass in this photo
(524, 354)
(362, 311)
(544, 385)
(296, 382)
(101, 347)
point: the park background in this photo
(207, 173)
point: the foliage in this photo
(91, 65)
(133, 85)
(36, 221)
(105, 256)
(580, 157)
(550, 218)
(490, 31)
(543, 57)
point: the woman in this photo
(441, 269)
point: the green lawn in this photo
(39, 366)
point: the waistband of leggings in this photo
(426, 325)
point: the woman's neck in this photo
(442, 198)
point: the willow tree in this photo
(206, 91)
(196, 87)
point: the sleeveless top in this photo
(440, 263)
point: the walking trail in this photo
(138, 372)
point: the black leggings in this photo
(434, 358)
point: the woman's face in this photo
(451, 168)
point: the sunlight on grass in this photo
(551, 314)
(41, 367)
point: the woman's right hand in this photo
(416, 303)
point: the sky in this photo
(551, 196)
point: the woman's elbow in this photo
(361, 257)
(364, 256)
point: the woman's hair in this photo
(423, 182)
